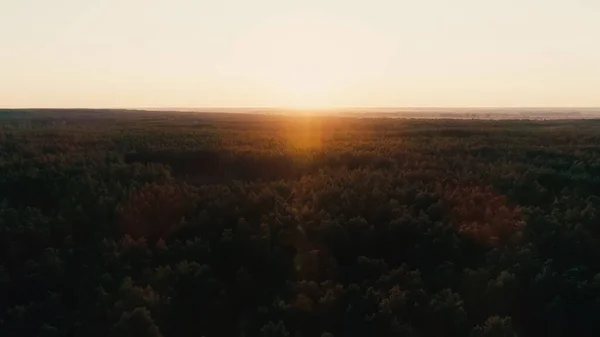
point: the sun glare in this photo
(308, 63)
(304, 91)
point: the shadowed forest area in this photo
(125, 223)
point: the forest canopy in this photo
(131, 223)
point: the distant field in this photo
(154, 223)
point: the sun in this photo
(306, 63)
(305, 91)
(304, 75)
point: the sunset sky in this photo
(303, 53)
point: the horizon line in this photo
(298, 108)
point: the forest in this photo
(129, 223)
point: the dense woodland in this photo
(124, 223)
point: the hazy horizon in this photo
(311, 54)
(398, 108)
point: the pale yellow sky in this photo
(301, 53)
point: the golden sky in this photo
(308, 53)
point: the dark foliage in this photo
(125, 223)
